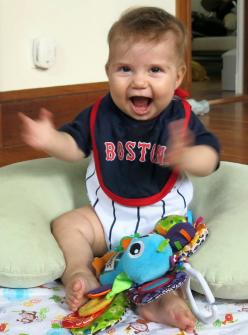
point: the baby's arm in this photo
(197, 160)
(41, 134)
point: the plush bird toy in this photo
(141, 269)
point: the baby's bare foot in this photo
(170, 310)
(76, 288)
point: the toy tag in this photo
(111, 263)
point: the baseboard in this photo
(65, 102)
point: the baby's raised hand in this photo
(37, 133)
(180, 139)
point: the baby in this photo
(144, 140)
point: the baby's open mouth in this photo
(140, 103)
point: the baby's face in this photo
(143, 75)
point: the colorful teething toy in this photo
(141, 269)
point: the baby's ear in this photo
(107, 68)
(180, 74)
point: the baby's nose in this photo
(139, 81)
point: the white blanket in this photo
(38, 311)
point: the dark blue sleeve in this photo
(79, 129)
(202, 135)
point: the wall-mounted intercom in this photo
(44, 52)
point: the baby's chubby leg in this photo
(170, 309)
(80, 235)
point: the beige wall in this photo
(79, 28)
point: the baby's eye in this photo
(125, 68)
(156, 69)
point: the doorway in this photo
(184, 12)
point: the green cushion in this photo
(32, 194)
(222, 200)
(35, 192)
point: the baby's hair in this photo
(150, 23)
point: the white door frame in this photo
(239, 78)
